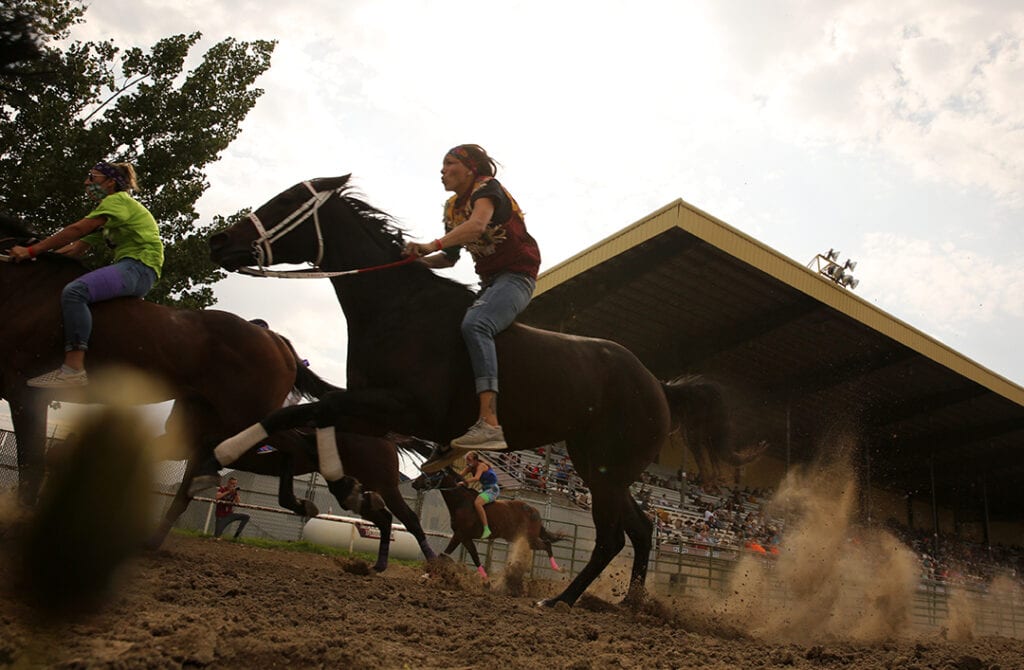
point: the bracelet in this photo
(31, 252)
(437, 244)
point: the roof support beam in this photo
(914, 407)
(555, 308)
(692, 352)
(818, 379)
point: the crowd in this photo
(689, 512)
(956, 560)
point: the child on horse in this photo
(124, 224)
(485, 218)
(478, 471)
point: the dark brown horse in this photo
(508, 520)
(222, 371)
(373, 461)
(409, 372)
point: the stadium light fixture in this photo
(828, 266)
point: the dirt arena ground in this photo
(203, 603)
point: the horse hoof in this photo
(309, 509)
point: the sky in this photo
(891, 131)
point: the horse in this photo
(409, 372)
(222, 371)
(372, 461)
(509, 520)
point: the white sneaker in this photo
(482, 436)
(61, 378)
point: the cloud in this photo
(928, 83)
(941, 288)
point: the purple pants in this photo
(125, 277)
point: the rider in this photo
(121, 222)
(485, 218)
(478, 471)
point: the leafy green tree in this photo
(86, 101)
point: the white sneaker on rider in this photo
(483, 437)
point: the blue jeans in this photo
(125, 277)
(224, 521)
(494, 310)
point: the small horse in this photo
(222, 371)
(509, 520)
(373, 461)
(409, 372)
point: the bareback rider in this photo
(121, 222)
(485, 219)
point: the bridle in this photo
(263, 248)
(433, 482)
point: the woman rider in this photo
(121, 222)
(478, 471)
(483, 217)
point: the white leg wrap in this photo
(327, 452)
(228, 451)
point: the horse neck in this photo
(397, 298)
(39, 281)
(456, 498)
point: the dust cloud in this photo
(832, 578)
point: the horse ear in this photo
(330, 183)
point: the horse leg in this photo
(177, 507)
(610, 540)
(382, 519)
(545, 540)
(471, 548)
(347, 491)
(396, 503)
(28, 414)
(286, 491)
(638, 528)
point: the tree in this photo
(93, 100)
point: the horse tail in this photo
(309, 384)
(412, 445)
(700, 416)
(548, 536)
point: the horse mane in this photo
(12, 226)
(385, 229)
(390, 232)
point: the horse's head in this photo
(442, 479)
(288, 229)
(14, 232)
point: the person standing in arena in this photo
(227, 497)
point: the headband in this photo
(462, 154)
(109, 170)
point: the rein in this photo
(263, 244)
(434, 484)
(320, 274)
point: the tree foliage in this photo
(85, 101)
